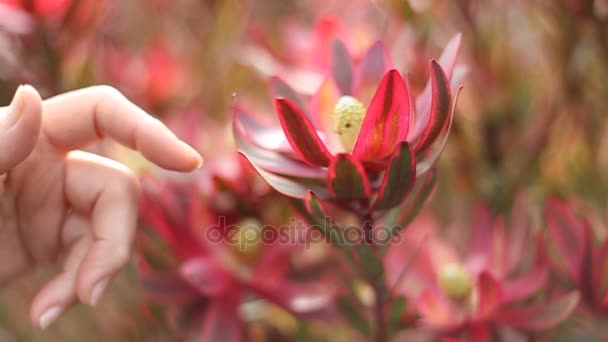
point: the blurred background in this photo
(533, 113)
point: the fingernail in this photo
(194, 153)
(14, 109)
(98, 291)
(49, 316)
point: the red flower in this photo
(482, 289)
(211, 280)
(578, 257)
(343, 147)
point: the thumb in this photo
(19, 127)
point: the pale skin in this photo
(61, 205)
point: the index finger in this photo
(78, 118)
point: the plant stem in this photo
(376, 284)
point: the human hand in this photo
(61, 205)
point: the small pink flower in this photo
(481, 288)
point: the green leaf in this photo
(353, 315)
(347, 178)
(399, 178)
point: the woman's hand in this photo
(59, 204)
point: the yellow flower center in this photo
(455, 281)
(348, 118)
(248, 240)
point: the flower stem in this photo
(376, 284)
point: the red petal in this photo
(342, 67)
(440, 107)
(543, 316)
(490, 296)
(301, 134)
(447, 61)
(387, 120)
(399, 178)
(436, 311)
(285, 185)
(568, 234)
(347, 178)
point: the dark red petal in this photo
(440, 107)
(387, 120)
(416, 202)
(342, 67)
(568, 234)
(425, 164)
(542, 316)
(285, 185)
(490, 296)
(447, 61)
(347, 178)
(399, 178)
(301, 134)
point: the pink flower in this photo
(482, 289)
(208, 281)
(345, 146)
(578, 257)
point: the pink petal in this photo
(436, 311)
(269, 138)
(272, 161)
(519, 232)
(481, 240)
(568, 234)
(526, 285)
(280, 89)
(347, 178)
(285, 185)
(387, 120)
(542, 316)
(490, 296)
(207, 275)
(322, 108)
(342, 67)
(371, 69)
(447, 61)
(301, 134)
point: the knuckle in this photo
(107, 91)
